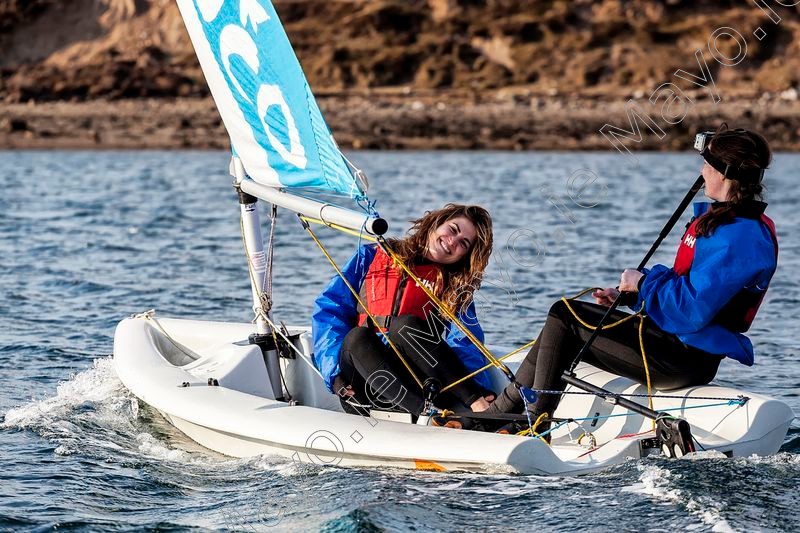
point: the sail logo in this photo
(276, 127)
(241, 33)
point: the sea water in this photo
(88, 238)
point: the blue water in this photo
(87, 239)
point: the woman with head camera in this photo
(696, 311)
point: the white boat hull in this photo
(167, 363)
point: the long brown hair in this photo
(461, 279)
(741, 149)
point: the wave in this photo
(92, 413)
(97, 387)
(661, 484)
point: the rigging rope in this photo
(264, 292)
(646, 367)
(445, 309)
(338, 228)
(739, 399)
(498, 362)
(273, 217)
(264, 300)
(394, 348)
(494, 362)
(641, 316)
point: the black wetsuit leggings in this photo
(672, 364)
(379, 377)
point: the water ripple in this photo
(108, 234)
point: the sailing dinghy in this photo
(250, 389)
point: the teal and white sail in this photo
(275, 125)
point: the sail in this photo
(275, 125)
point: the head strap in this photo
(733, 172)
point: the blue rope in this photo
(740, 398)
(545, 433)
(737, 403)
(368, 206)
(527, 411)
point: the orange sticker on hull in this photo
(429, 465)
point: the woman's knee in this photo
(359, 333)
(403, 322)
(360, 336)
(404, 328)
(558, 309)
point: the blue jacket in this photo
(335, 315)
(739, 255)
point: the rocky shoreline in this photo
(400, 120)
(421, 74)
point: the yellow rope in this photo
(446, 310)
(493, 361)
(364, 236)
(646, 367)
(589, 326)
(487, 366)
(586, 291)
(363, 305)
(515, 352)
(641, 316)
(532, 430)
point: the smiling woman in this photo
(448, 250)
(451, 241)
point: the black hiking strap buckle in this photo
(383, 323)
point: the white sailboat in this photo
(224, 385)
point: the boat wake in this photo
(92, 397)
(92, 413)
(662, 485)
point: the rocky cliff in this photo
(433, 62)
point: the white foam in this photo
(779, 459)
(704, 454)
(98, 384)
(287, 467)
(60, 417)
(659, 483)
(152, 447)
(63, 449)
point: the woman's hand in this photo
(605, 297)
(481, 404)
(341, 388)
(629, 281)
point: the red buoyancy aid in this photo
(739, 312)
(387, 291)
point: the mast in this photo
(281, 144)
(257, 265)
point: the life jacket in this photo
(739, 312)
(388, 291)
